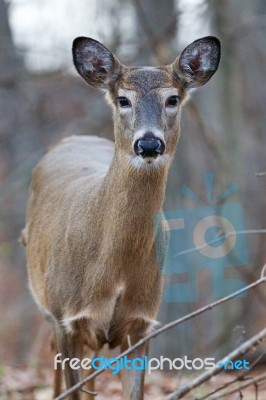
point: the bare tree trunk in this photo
(156, 27)
(242, 121)
(10, 63)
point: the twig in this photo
(260, 174)
(225, 236)
(129, 341)
(254, 381)
(170, 325)
(88, 392)
(238, 352)
(241, 377)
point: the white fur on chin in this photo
(148, 163)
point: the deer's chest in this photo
(124, 312)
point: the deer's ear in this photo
(198, 62)
(95, 63)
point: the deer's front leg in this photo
(90, 386)
(57, 383)
(70, 346)
(133, 380)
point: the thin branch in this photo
(254, 381)
(238, 352)
(225, 236)
(129, 341)
(260, 174)
(241, 377)
(170, 325)
(88, 392)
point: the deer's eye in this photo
(172, 101)
(123, 101)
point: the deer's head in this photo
(146, 101)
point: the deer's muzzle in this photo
(149, 145)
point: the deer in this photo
(89, 233)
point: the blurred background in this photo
(42, 99)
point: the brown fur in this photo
(91, 242)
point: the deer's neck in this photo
(130, 199)
(129, 189)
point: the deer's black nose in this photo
(149, 146)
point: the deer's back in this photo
(77, 156)
(73, 159)
(72, 170)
